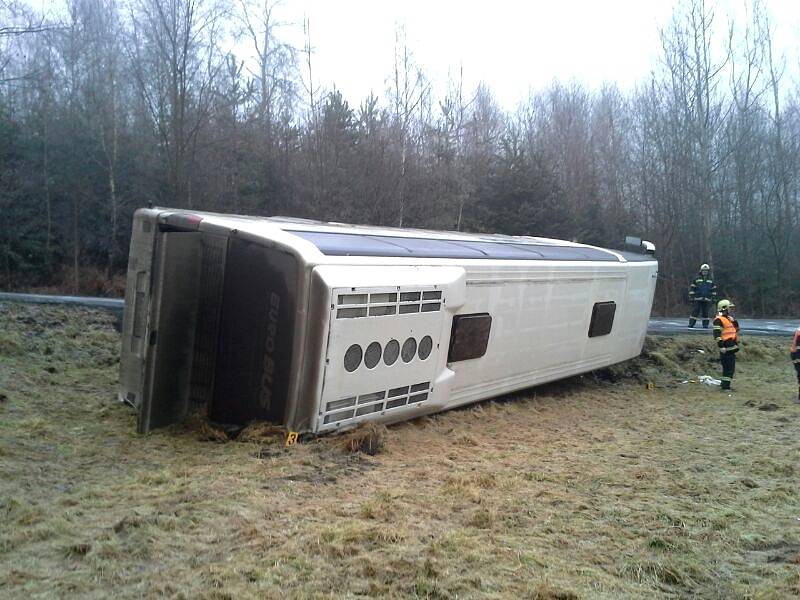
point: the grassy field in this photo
(596, 487)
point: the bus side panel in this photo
(540, 324)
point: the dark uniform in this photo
(726, 333)
(702, 294)
(795, 350)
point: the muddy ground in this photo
(623, 483)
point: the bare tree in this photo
(275, 69)
(18, 21)
(103, 97)
(176, 61)
(695, 79)
(779, 217)
(274, 77)
(409, 90)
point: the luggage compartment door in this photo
(167, 339)
(137, 307)
(254, 365)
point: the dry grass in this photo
(593, 488)
(369, 438)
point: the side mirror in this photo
(640, 245)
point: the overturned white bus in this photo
(320, 326)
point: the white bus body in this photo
(321, 326)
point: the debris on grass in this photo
(708, 380)
(368, 438)
(262, 432)
(208, 433)
(768, 406)
(198, 424)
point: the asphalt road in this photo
(658, 325)
(671, 326)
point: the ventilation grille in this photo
(381, 304)
(338, 411)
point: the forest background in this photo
(110, 105)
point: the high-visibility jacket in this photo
(726, 331)
(729, 330)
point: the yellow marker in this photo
(291, 438)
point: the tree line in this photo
(113, 105)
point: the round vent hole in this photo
(425, 347)
(352, 358)
(391, 352)
(409, 349)
(373, 355)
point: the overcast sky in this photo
(512, 46)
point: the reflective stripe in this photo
(725, 379)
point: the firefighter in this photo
(795, 349)
(726, 333)
(702, 294)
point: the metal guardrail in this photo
(112, 304)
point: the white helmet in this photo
(705, 267)
(725, 305)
